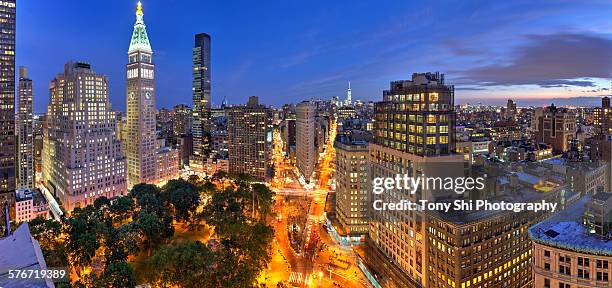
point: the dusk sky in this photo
(288, 51)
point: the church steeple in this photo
(140, 40)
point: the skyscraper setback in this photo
(82, 158)
(7, 100)
(25, 132)
(201, 100)
(423, 125)
(415, 125)
(413, 134)
(141, 139)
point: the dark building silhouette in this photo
(201, 100)
(7, 101)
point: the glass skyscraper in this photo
(201, 100)
(7, 100)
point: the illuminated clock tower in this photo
(141, 145)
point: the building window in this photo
(564, 270)
(583, 273)
(433, 97)
(546, 253)
(602, 264)
(602, 276)
(547, 266)
(546, 283)
(431, 119)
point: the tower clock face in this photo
(132, 95)
(148, 95)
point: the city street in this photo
(314, 259)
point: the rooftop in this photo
(20, 251)
(565, 230)
(520, 195)
(348, 140)
(602, 196)
(23, 194)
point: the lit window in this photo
(433, 97)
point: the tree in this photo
(208, 187)
(245, 255)
(264, 198)
(219, 175)
(184, 197)
(101, 202)
(45, 231)
(225, 211)
(154, 228)
(148, 197)
(122, 242)
(119, 274)
(121, 209)
(245, 242)
(244, 179)
(85, 232)
(187, 264)
(194, 179)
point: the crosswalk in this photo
(297, 278)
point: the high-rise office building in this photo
(165, 124)
(25, 132)
(414, 136)
(249, 131)
(511, 110)
(306, 153)
(349, 96)
(352, 185)
(201, 100)
(82, 158)
(182, 121)
(535, 116)
(7, 101)
(602, 116)
(414, 130)
(424, 124)
(141, 139)
(557, 127)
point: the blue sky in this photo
(288, 51)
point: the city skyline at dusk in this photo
(288, 144)
(289, 52)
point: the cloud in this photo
(565, 83)
(470, 88)
(554, 60)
